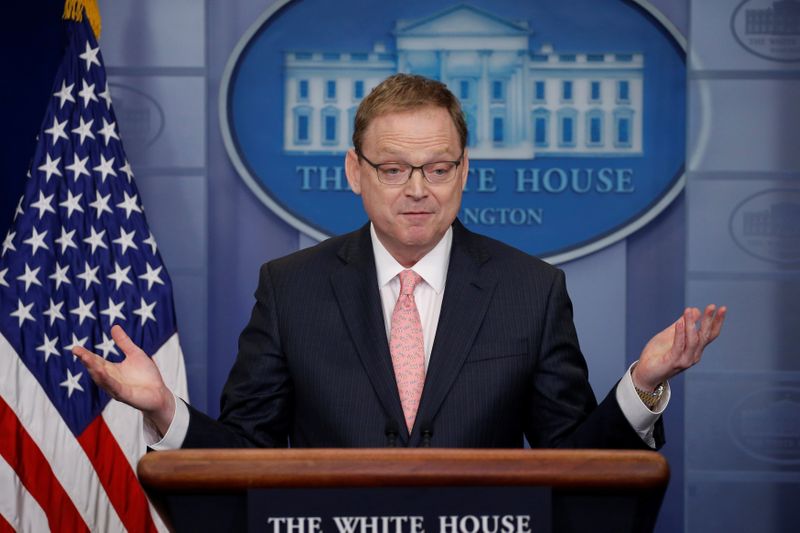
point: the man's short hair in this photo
(407, 92)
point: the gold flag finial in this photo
(73, 10)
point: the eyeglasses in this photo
(436, 173)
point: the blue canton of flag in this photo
(78, 259)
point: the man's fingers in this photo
(679, 338)
(706, 323)
(89, 359)
(716, 324)
(95, 364)
(692, 315)
(124, 342)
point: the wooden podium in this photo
(591, 490)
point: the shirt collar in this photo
(432, 267)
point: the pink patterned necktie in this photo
(407, 347)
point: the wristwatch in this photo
(650, 399)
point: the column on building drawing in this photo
(484, 135)
(512, 117)
(522, 101)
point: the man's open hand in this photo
(135, 381)
(678, 347)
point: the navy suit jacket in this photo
(314, 368)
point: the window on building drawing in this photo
(541, 126)
(594, 128)
(566, 127)
(358, 89)
(302, 124)
(594, 91)
(538, 91)
(566, 91)
(623, 128)
(623, 92)
(302, 90)
(498, 91)
(330, 125)
(463, 90)
(330, 90)
(498, 133)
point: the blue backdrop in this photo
(733, 440)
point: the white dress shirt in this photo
(428, 296)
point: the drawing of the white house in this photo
(519, 103)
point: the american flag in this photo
(78, 259)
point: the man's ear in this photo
(352, 169)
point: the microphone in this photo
(391, 433)
(427, 434)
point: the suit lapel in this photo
(356, 289)
(468, 292)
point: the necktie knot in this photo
(408, 281)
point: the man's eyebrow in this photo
(401, 155)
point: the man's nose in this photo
(417, 185)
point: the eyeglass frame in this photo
(421, 169)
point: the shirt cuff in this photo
(639, 416)
(176, 432)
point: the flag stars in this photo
(60, 276)
(30, 277)
(36, 240)
(78, 167)
(57, 130)
(151, 241)
(100, 203)
(23, 312)
(65, 94)
(95, 240)
(72, 203)
(90, 56)
(152, 276)
(113, 311)
(120, 275)
(48, 347)
(106, 95)
(125, 240)
(145, 311)
(89, 275)
(105, 168)
(83, 311)
(8, 243)
(44, 204)
(72, 383)
(84, 130)
(130, 204)
(50, 167)
(106, 347)
(127, 170)
(108, 131)
(66, 240)
(65, 212)
(18, 211)
(87, 93)
(54, 311)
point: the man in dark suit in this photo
(412, 331)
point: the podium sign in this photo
(400, 510)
